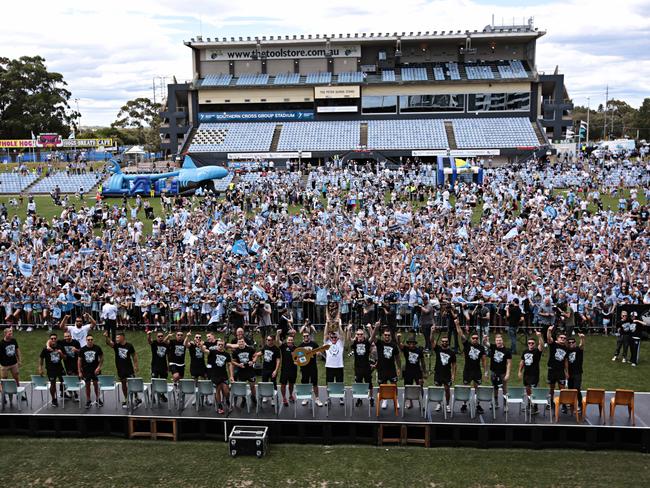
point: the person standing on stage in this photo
(176, 355)
(361, 348)
(309, 372)
(219, 369)
(126, 362)
(159, 354)
(414, 368)
(500, 364)
(575, 357)
(388, 359)
(334, 371)
(475, 363)
(243, 358)
(558, 367)
(289, 370)
(197, 358)
(89, 364)
(529, 364)
(70, 348)
(80, 330)
(271, 361)
(444, 372)
(10, 360)
(52, 357)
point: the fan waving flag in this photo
(240, 247)
(551, 212)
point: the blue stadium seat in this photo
(407, 134)
(494, 133)
(235, 137)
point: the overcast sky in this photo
(110, 51)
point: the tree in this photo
(32, 99)
(642, 121)
(140, 118)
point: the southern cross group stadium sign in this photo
(290, 115)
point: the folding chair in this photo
(540, 396)
(463, 393)
(159, 386)
(360, 391)
(204, 390)
(240, 389)
(594, 396)
(72, 384)
(435, 394)
(486, 394)
(622, 398)
(42, 384)
(266, 389)
(106, 383)
(303, 392)
(135, 386)
(336, 391)
(11, 389)
(186, 387)
(413, 393)
(388, 392)
(567, 397)
(517, 395)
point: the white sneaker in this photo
(384, 404)
(304, 402)
(633, 365)
(319, 403)
(342, 402)
(623, 360)
(438, 407)
(29, 329)
(263, 400)
(614, 358)
(448, 409)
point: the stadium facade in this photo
(393, 95)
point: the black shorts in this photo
(441, 380)
(268, 376)
(555, 376)
(309, 375)
(198, 372)
(54, 377)
(124, 375)
(219, 380)
(412, 377)
(497, 378)
(162, 373)
(173, 369)
(470, 377)
(334, 375)
(90, 376)
(531, 381)
(363, 375)
(246, 374)
(288, 376)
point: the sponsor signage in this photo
(87, 142)
(458, 152)
(337, 110)
(53, 140)
(17, 143)
(282, 52)
(256, 116)
(337, 92)
(270, 155)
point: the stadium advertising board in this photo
(87, 142)
(289, 115)
(54, 142)
(282, 52)
(337, 110)
(337, 92)
(17, 143)
(458, 152)
(270, 155)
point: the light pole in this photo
(588, 110)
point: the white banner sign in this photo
(282, 52)
(467, 153)
(270, 155)
(336, 110)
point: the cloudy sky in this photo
(110, 52)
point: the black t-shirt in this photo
(575, 357)
(176, 352)
(218, 363)
(270, 355)
(159, 352)
(499, 359)
(386, 354)
(531, 361)
(514, 315)
(361, 352)
(70, 356)
(124, 358)
(412, 359)
(556, 357)
(444, 359)
(8, 352)
(473, 355)
(197, 358)
(287, 359)
(314, 360)
(90, 356)
(283, 324)
(243, 356)
(53, 361)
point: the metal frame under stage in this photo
(482, 432)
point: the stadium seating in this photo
(494, 133)
(414, 74)
(478, 72)
(67, 183)
(254, 136)
(407, 134)
(15, 183)
(351, 77)
(319, 136)
(286, 79)
(214, 79)
(514, 69)
(388, 75)
(318, 78)
(439, 73)
(223, 183)
(454, 73)
(247, 79)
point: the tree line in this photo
(622, 120)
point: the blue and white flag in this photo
(512, 233)
(551, 212)
(240, 247)
(260, 292)
(402, 218)
(462, 233)
(254, 247)
(220, 228)
(86, 251)
(53, 259)
(25, 268)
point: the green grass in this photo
(599, 370)
(103, 463)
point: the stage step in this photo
(153, 428)
(404, 434)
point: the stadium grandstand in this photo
(391, 95)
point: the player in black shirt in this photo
(70, 348)
(243, 358)
(575, 356)
(388, 358)
(414, 368)
(500, 364)
(176, 355)
(159, 352)
(271, 360)
(475, 362)
(126, 362)
(558, 368)
(309, 372)
(529, 364)
(288, 371)
(89, 364)
(197, 358)
(9, 356)
(361, 349)
(52, 357)
(444, 372)
(219, 369)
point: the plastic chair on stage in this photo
(594, 396)
(463, 393)
(486, 394)
(106, 383)
(42, 384)
(266, 389)
(11, 389)
(624, 398)
(414, 394)
(72, 384)
(240, 389)
(387, 392)
(435, 394)
(303, 392)
(567, 397)
(360, 392)
(186, 387)
(134, 387)
(517, 395)
(204, 391)
(336, 391)
(159, 386)
(540, 396)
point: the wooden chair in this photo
(594, 396)
(567, 397)
(622, 398)
(387, 392)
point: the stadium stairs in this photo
(276, 138)
(451, 137)
(188, 140)
(363, 134)
(541, 134)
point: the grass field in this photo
(599, 370)
(103, 463)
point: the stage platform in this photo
(357, 427)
